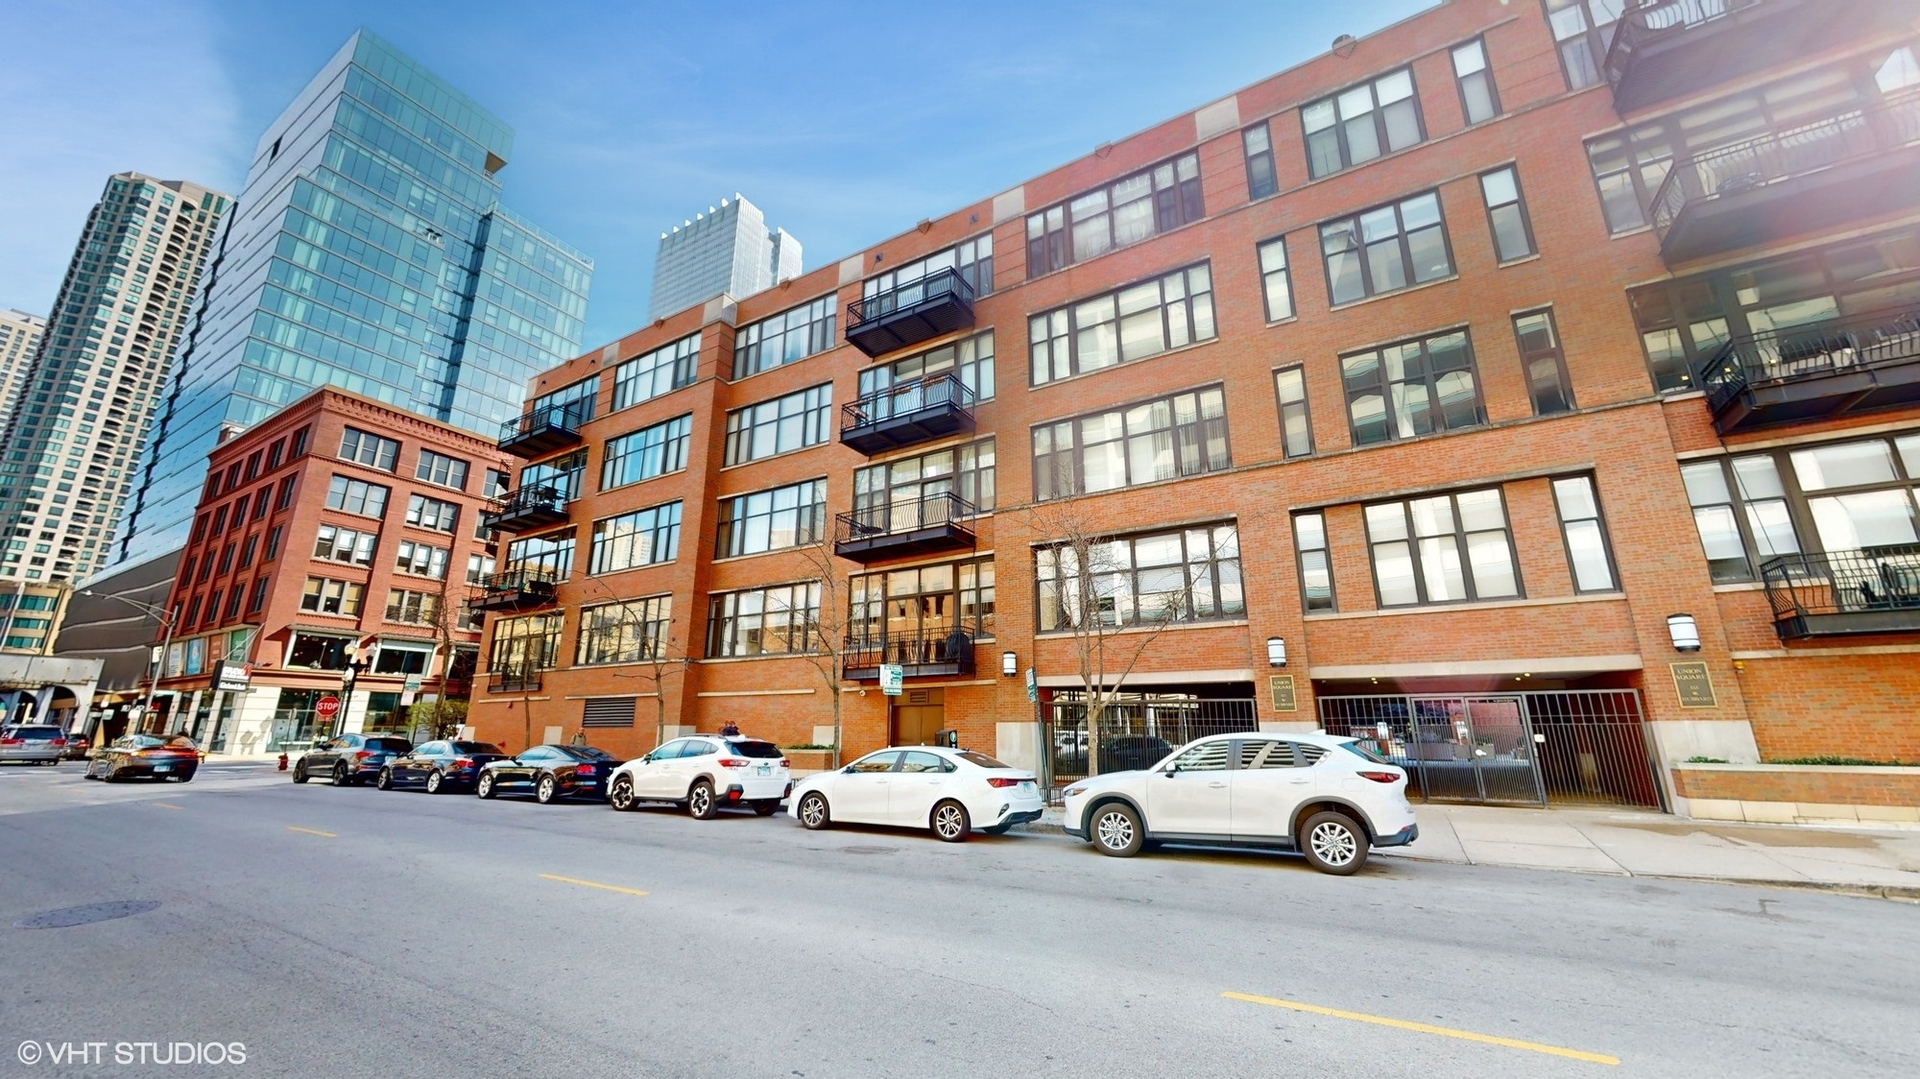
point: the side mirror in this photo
(848, 770)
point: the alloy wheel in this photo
(1334, 843)
(1115, 830)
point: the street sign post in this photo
(891, 676)
(1033, 687)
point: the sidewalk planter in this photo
(1797, 793)
(819, 760)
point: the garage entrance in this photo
(917, 714)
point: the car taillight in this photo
(1382, 777)
(363, 754)
(1002, 781)
(783, 762)
(463, 762)
(13, 741)
(59, 741)
(733, 762)
(583, 770)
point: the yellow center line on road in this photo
(592, 884)
(1425, 1028)
(311, 831)
(165, 805)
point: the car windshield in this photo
(475, 747)
(981, 759)
(586, 753)
(754, 747)
(1359, 750)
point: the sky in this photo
(844, 122)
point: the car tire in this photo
(186, 777)
(484, 788)
(700, 803)
(1333, 843)
(381, 782)
(342, 777)
(435, 782)
(621, 797)
(765, 807)
(547, 790)
(950, 822)
(1116, 830)
(814, 813)
(300, 772)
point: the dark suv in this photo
(349, 758)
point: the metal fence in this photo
(1135, 733)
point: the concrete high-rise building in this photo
(729, 249)
(82, 410)
(369, 252)
(19, 340)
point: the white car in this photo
(1326, 797)
(951, 791)
(704, 773)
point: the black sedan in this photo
(154, 756)
(439, 766)
(550, 773)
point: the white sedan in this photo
(953, 792)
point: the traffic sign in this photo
(327, 707)
(891, 676)
(1033, 686)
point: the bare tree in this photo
(828, 623)
(443, 619)
(656, 647)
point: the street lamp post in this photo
(348, 674)
(166, 643)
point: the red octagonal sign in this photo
(327, 707)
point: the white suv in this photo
(1326, 797)
(704, 773)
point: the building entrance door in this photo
(916, 715)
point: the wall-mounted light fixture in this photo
(1008, 664)
(1684, 631)
(1276, 651)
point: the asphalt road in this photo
(353, 932)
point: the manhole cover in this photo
(867, 850)
(87, 915)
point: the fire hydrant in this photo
(283, 762)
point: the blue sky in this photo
(844, 122)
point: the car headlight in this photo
(1071, 792)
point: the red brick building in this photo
(340, 535)
(1441, 390)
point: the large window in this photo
(642, 538)
(1386, 249)
(1586, 535)
(418, 608)
(626, 632)
(366, 448)
(441, 470)
(663, 370)
(563, 474)
(336, 544)
(548, 557)
(973, 259)
(522, 646)
(1257, 142)
(1478, 101)
(323, 595)
(1583, 29)
(970, 359)
(1188, 575)
(646, 453)
(575, 402)
(763, 621)
(1296, 428)
(1506, 214)
(923, 602)
(1181, 435)
(1129, 324)
(424, 512)
(1316, 566)
(422, 559)
(1124, 212)
(1275, 284)
(1543, 362)
(781, 425)
(791, 335)
(1360, 124)
(893, 492)
(791, 516)
(1412, 389)
(356, 496)
(1445, 549)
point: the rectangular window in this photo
(1188, 575)
(402, 659)
(260, 500)
(1543, 362)
(1316, 566)
(441, 470)
(234, 599)
(972, 260)
(1257, 142)
(1124, 212)
(355, 496)
(251, 548)
(259, 597)
(890, 495)
(497, 484)
(524, 646)
(366, 448)
(1118, 327)
(1275, 283)
(226, 558)
(478, 566)
(418, 608)
(563, 474)
(798, 420)
(547, 558)
(1444, 549)
(1386, 249)
(324, 595)
(764, 621)
(1478, 101)
(791, 335)
(276, 453)
(1296, 429)
(273, 543)
(792, 516)
(646, 453)
(1166, 438)
(574, 403)
(923, 604)
(1412, 389)
(424, 512)
(285, 497)
(626, 632)
(970, 360)
(1506, 214)
(1583, 29)
(336, 544)
(1588, 557)
(422, 559)
(642, 538)
(663, 370)
(1845, 495)
(1360, 124)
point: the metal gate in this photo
(1537, 747)
(1135, 732)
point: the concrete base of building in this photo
(1880, 796)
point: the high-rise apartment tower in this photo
(729, 249)
(19, 340)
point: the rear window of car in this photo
(586, 753)
(753, 747)
(389, 745)
(181, 741)
(980, 759)
(475, 747)
(1359, 750)
(33, 734)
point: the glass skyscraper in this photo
(368, 251)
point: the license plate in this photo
(766, 769)
(163, 767)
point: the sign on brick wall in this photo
(1691, 682)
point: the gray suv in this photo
(36, 743)
(346, 759)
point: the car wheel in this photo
(765, 807)
(434, 781)
(813, 812)
(342, 777)
(1116, 830)
(300, 772)
(1333, 843)
(547, 791)
(485, 787)
(700, 805)
(185, 777)
(383, 781)
(951, 823)
(622, 797)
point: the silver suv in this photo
(38, 743)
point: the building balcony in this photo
(1842, 593)
(1850, 167)
(541, 432)
(1815, 372)
(1664, 49)
(908, 314)
(910, 413)
(512, 590)
(513, 681)
(922, 656)
(934, 523)
(526, 510)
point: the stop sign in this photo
(327, 707)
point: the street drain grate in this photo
(87, 915)
(867, 850)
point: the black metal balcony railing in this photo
(526, 509)
(1651, 22)
(920, 655)
(932, 523)
(909, 313)
(1722, 179)
(908, 413)
(1815, 371)
(1873, 590)
(542, 430)
(514, 588)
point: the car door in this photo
(860, 792)
(321, 757)
(523, 770)
(412, 769)
(1272, 780)
(650, 775)
(1192, 795)
(918, 782)
(695, 759)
